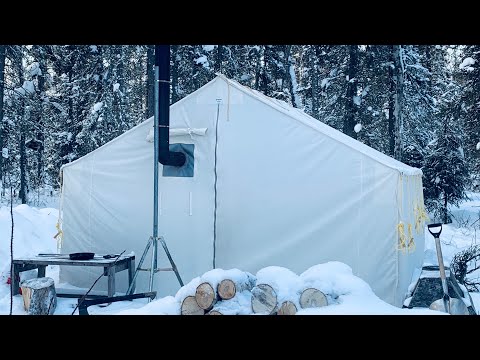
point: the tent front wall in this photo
(108, 204)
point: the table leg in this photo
(111, 281)
(131, 274)
(15, 279)
(41, 270)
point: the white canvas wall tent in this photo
(266, 185)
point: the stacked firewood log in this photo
(226, 292)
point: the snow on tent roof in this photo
(329, 131)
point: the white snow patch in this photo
(325, 83)
(34, 69)
(93, 48)
(202, 60)
(369, 108)
(28, 86)
(357, 100)
(357, 128)
(97, 107)
(116, 86)
(466, 64)
(208, 48)
(286, 283)
(5, 153)
(478, 146)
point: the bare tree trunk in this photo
(350, 106)
(150, 81)
(2, 77)
(22, 194)
(290, 69)
(258, 70)
(40, 136)
(399, 99)
(314, 82)
(391, 105)
(263, 70)
(219, 59)
(445, 211)
(174, 73)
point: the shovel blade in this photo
(457, 306)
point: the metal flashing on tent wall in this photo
(187, 169)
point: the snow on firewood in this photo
(238, 305)
(188, 289)
(285, 282)
(336, 280)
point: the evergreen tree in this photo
(445, 169)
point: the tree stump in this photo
(190, 307)
(287, 308)
(312, 298)
(39, 296)
(206, 296)
(264, 299)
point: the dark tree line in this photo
(416, 103)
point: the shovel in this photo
(446, 304)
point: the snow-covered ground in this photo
(34, 230)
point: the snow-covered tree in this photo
(445, 169)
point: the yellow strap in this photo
(59, 235)
(411, 241)
(402, 242)
(420, 217)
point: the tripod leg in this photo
(154, 262)
(174, 267)
(130, 288)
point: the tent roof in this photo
(329, 131)
(298, 115)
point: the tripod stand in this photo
(153, 269)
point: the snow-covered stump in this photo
(205, 296)
(312, 298)
(190, 307)
(264, 299)
(39, 296)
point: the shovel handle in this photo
(435, 234)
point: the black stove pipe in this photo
(162, 81)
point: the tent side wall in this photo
(301, 200)
(411, 240)
(108, 202)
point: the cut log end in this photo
(312, 298)
(264, 299)
(287, 308)
(190, 307)
(205, 296)
(226, 289)
(214, 312)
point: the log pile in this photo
(219, 292)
